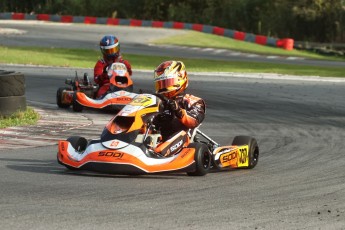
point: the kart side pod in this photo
(243, 153)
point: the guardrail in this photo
(285, 43)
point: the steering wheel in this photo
(165, 100)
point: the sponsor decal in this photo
(185, 153)
(141, 100)
(163, 76)
(123, 99)
(115, 143)
(174, 147)
(243, 159)
(110, 154)
(227, 156)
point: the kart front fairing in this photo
(96, 150)
(119, 98)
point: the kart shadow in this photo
(52, 167)
(142, 176)
(34, 166)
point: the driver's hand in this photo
(174, 108)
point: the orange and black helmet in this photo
(170, 78)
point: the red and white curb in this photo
(54, 125)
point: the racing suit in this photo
(101, 76)
(188, 114)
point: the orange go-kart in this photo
(82, 93)
(129, 144)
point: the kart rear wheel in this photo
(59, 97)
(78, 143)
(77, 107)
(202, 159)
(253, 149)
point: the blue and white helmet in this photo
(110, 47)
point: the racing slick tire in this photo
(11, 84)
(77, 107)
(253, 149)
(59, 97)
(202, 159)
(78, 143)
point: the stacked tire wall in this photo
(12, 93)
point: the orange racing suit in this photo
(190, 114)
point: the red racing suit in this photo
(190, 114)
(101, 76)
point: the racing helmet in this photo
(170, 78)
(110, 47)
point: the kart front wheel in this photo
(202, 159)
(78, 143)
(59, 97)
(253, 149)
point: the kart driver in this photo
(184, 111)
(110, 48)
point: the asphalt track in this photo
(297, 184)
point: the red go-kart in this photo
(82, 93)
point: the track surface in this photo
(297, 184)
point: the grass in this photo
(84, 58)
(20, 118)
(199, 39)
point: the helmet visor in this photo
(166, 85)
(110, 50)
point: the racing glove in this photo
(175, 108)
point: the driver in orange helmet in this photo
(185, 111)
(110, 48)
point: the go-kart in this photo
(129, 144)
(82, 93)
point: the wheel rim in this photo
(255, 156)
(206, 160)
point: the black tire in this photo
(77, 107)
(202, 159)
(11, 84)
(253, 149)
(12, 104)
(59, 97)
(78, 143)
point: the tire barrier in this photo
(286, 43)
(12, 93)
